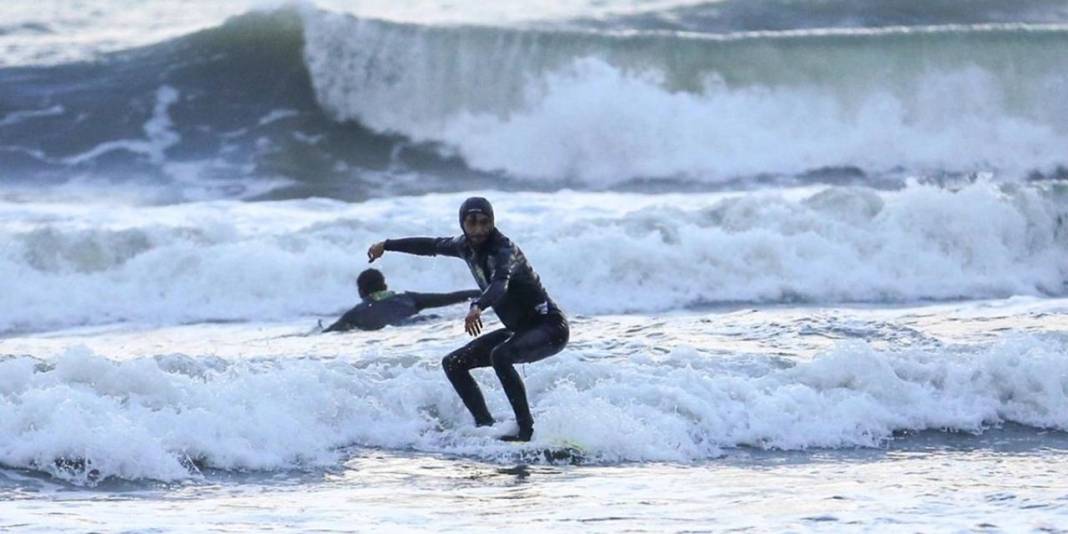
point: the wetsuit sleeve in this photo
(346, 322)
(504, 260)
(436, 300)
(426, 246)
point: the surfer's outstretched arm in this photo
(420, 246)
(346, 322)
(437, 300)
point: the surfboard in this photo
(561, 451)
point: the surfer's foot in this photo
(524, 434)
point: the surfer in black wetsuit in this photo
(381, 307)
(534, 327)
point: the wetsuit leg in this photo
(458, 365)
(541, 340)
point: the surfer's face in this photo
(477, 227)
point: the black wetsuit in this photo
(534, 327)
(386, 308)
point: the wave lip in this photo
(48, 32)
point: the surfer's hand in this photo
(376, 251)
(473, 321)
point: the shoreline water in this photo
(937, 489)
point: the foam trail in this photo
(158, 130)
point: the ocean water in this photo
(814, 254)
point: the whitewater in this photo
(814, 256)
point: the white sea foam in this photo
(162, 417)
(19, 116)
(598, 125)
(596, 253)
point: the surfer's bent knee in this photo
(502, 355)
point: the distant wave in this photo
(602, 109)
(302, 102)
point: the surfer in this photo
(381, 307)
(534, 327)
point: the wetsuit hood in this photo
(475, 205)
